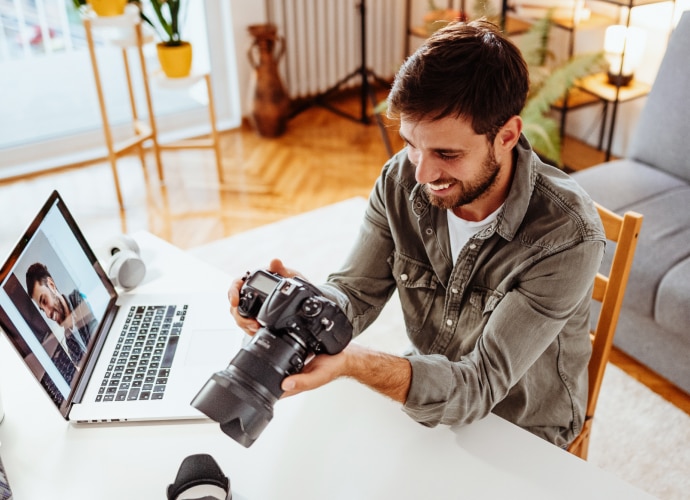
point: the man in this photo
(492, 252)
(71, 312)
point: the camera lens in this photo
(242, 396)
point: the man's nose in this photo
(425, 170)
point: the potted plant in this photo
(174, 54)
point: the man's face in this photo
(49, 300)
(455, 165)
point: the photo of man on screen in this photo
(72, 311)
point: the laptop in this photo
(100, 355)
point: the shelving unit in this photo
(613, 95)
(144, 131)
(594, 89)
(213, 142)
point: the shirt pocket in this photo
(417, 285)
(482, 302)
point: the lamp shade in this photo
(624, 47)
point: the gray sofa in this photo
(654, 180)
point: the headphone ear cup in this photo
(125, 268)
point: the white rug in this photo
(637, 435)
(641, 438)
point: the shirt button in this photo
(403, 277)
(449, 322)
(472, 246)
(454, 290)
(429, 231)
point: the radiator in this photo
(323, 41)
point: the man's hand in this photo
(387, 374)
(250, 325)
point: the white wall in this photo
(243, 14)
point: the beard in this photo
(60, 309)
(469, 191)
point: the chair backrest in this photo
(661, 133)
(609, 291)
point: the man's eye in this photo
(447, 157)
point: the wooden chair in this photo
(609, 292)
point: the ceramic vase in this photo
(270, 104)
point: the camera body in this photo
(296, 321)
(296, 308)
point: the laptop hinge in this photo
(85, 376)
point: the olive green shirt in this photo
(505, 328)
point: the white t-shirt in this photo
(461, 230)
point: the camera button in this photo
(311, 307)
(297, 362)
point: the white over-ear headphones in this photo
(125, 267)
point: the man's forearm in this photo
(390, 375)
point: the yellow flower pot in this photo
(108, 7)
(176, 60)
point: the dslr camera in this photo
(296, 321)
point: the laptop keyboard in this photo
(141, 362)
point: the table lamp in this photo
(623, 48)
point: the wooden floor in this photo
(321, 159)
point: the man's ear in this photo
(509, 134)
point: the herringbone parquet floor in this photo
(321, 159)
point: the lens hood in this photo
(227, 400)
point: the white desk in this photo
(340, 442)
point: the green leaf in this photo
(534, 42)
(168, 13)
(543, 133)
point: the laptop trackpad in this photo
(213, 348)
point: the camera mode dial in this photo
(311, 307)
(246, 298)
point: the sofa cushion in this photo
(665, 352)
(622, 183)
(662, 132)
(663, 200)
(672, 309)
(662, 244)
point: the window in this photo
(49, 113)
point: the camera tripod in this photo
(366, 93)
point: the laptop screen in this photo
(54, 298)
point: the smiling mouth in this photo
(439, 187)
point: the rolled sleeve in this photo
(434, 398)
(430, 389)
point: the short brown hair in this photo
(37, 273)
(464, 69)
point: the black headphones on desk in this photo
(200, 478)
